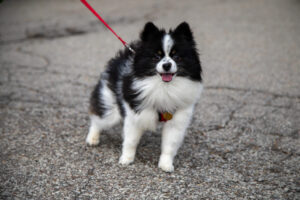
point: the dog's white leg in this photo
(132, 136)
(93, 137)
(172, 137)
(99, 124)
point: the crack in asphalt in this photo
(34, 54)
(51, 32)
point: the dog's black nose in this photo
(167, 66)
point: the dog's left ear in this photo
(183, 29)
(150, 30)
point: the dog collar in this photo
(166, 116)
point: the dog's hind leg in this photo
(108, 114)
(93, 137)
(99, 124)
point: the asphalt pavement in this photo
(244, 140)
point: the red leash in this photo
(102, 20)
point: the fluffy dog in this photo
(162, 76)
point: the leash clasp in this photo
(130, 49)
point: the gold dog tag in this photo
(167, 116)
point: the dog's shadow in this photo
(148, 149)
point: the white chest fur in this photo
(167, 96)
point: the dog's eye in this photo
(158, 55)
(174, 55)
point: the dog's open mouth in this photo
(167, 77)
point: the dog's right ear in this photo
(184, 30)
(149, 30)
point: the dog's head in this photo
(167, 54)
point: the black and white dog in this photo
(162, 76)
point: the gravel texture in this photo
(243, 143)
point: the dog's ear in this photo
(184, 30)
(149, 30)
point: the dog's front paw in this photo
(166, 163)
(92, 139)
(126, 160)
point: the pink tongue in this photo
(167, 77)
